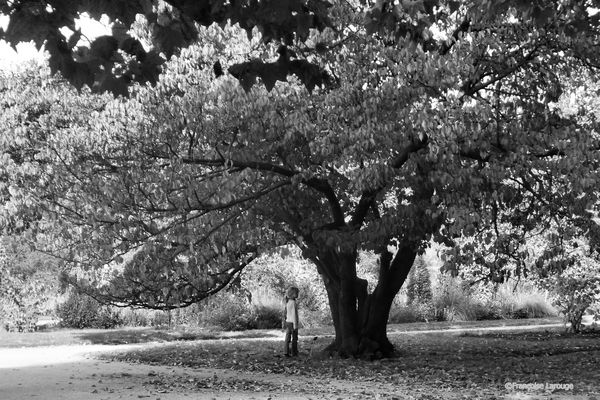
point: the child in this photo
(291, 321)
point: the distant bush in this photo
(80, 311)
(228, 311)
(28, 284)
(418, 286)
(577, 287)
(135, 318)
(535, 306)
(161, 319)
(523, 300)
(454, 301)
(267, 308)
(108, 318)
(267, 317)
(403, 314)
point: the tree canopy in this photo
(439, 120)
(145, 33)
(112, 62)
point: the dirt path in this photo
(72, 373)
(73, 376)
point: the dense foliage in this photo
(28, 284)
(418, 284)
(576, 283)
(147, 32)
(80, 311)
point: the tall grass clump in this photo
(522, 300)
(454, 300)
(401, 313)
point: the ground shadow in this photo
(129, 336)
(132, 336)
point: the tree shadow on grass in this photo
(129, 336)
(145, 335)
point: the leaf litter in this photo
(455, 366)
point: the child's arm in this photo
(296, 319)
(284, 315)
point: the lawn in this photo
(60, 337)
(57, 337)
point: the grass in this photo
(417, 326)
(57, 337)
(35, 339)
(60, 337)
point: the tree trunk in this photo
(392, 275)
(360, 319)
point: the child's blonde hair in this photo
(292, 292)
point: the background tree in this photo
(28, 284)
(182, 186)
(418, 285)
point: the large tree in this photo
(438, 120)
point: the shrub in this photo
(268, 309)
(228, 311)
(521, 301)
(135, 318)
(28, 284)
(186, 316)
(535, 306)
(267, 317)
(573, 275)
(108, 318)
(418, 287)
(403, 314)
(577, 288)
(80, 311)
(161, 319)
(454, 301)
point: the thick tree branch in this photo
(320, 185)
(138, 292)
(368, 196)
(469, 88)
(413, 147)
